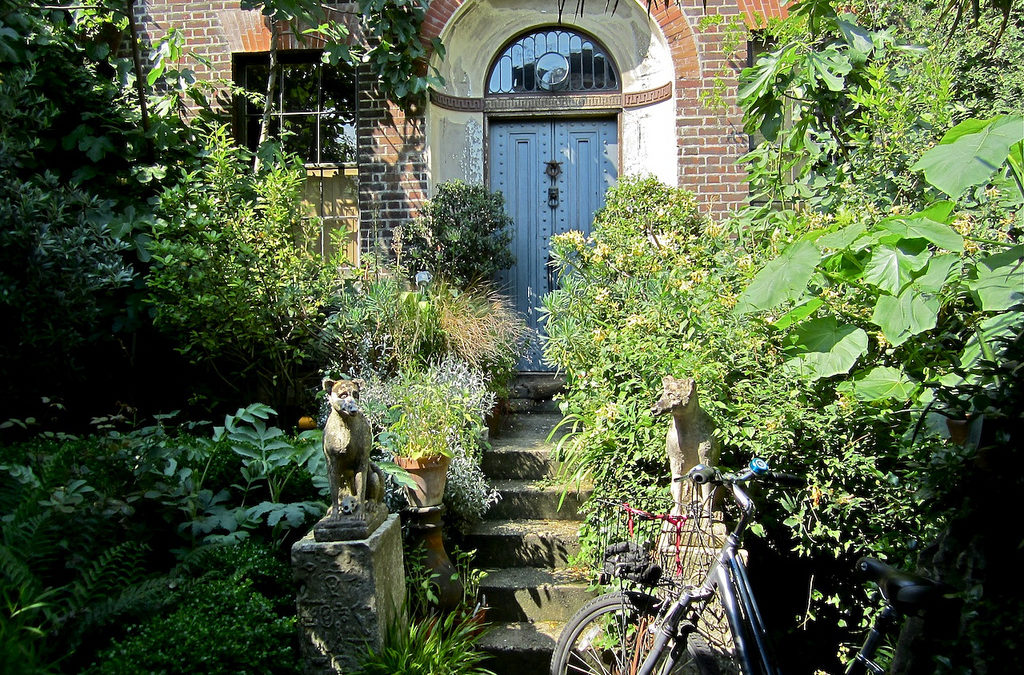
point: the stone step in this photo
(533, 594)
(535, 500)
(524, 543)
(517, 460)
(532, 426)
(530, 405)
(520, 648)
(537, 386)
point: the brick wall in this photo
(709, 140)
(392, 166)
(391, 146)
(213, 30)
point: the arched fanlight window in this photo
(552, 60)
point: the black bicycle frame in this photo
(748, 630)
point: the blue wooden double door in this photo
(553, 174)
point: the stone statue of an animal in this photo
(689, 440)
(352, 477)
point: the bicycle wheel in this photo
(610, 636)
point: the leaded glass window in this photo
(552, 60)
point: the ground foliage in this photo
(105, 539)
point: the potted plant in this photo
(426, 465)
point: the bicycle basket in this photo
(655, 548)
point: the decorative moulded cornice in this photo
(560, 102)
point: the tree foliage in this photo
(900, 279)
(231, 271)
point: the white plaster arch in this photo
(479, 29)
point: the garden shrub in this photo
(232, 275)
(652, 292)
(648, 294)
(235, 614)
(463, 235)
(906, 304)
(64, 272)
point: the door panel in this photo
(520, 152)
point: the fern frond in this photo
(116, 568)
(17, 572)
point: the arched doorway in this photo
(553, 151)
(620, 111)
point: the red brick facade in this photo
(393, 174)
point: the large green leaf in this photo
(842, 238)
(879, 384)
(798, 313)
(1016, 161)
(784, 278)
(755, 79)
(1000, 281)
(830, 67)
(939, 269)
(900, 318)
(970, 153)
(929, 224)
(892, 267)
(822, 348)
(858, 37)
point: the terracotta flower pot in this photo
(430, 475)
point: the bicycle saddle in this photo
(906, 592)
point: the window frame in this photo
(246, 112)
(339, 230)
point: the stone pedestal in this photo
(348, 528)
(349, 592)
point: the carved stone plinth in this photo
(349, 591)
(347, 528)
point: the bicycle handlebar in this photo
(703, 474)
(758, 468)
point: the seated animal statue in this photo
(354, 480)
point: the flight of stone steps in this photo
(524, 544)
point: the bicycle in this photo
(657, 623)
